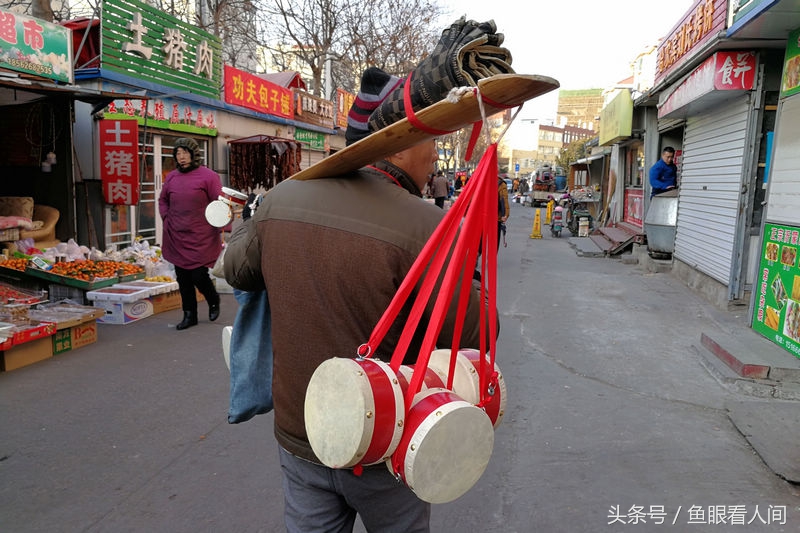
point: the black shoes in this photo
(213, 311)
(189, 320)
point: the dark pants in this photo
(188, 280)
(439, 201)
(318, 498)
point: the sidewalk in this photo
(767, 376)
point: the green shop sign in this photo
(315, 140)
(777, 311)
(144, 42)
(35, 47)
(790, 82)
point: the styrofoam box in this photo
(155, 287)
(124, 312)
(118, 294)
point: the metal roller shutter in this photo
(711, 184)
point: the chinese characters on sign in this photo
(723, 71)
(698, 25)
(119, 162)
(166, 114)
(776, 314)
(313, 110)
(35, 46)
(252, 92)
(344, 101)
(140, 40)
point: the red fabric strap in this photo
(412, 117)
(448, 257)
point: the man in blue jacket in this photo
(664, 174)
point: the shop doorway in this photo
(124, 223)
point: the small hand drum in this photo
(466, 380)
(445, 447)
(219, 213)
(354, 412)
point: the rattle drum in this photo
(467, 383)
(445, 447)
(354, 412)
(219, 213)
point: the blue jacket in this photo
(662, 176)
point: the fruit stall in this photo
(52, 304)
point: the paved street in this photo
(610, 412)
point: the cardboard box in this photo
(169, 301)
(74, 337)
(27, 353)
(123, 312)
(28, 332)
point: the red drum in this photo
(446, 445)
(354, 412)
(466, 380)
(232, 196)
(432, 378)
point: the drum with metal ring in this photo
(232, 196)
(354, 412)
(466, 380)
(218, 213)
(446, 445)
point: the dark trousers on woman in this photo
(188, 279)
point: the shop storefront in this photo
(712, 109)
(177, 69)
(776, 302)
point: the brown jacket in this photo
(332, 253)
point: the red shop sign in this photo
(119, 161)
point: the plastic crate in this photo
(58, 292)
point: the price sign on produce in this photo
(776, 314)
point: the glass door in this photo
(124, 223)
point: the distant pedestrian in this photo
(664, 174)
(440, 189)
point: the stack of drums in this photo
(439, 446)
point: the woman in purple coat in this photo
(189, 242)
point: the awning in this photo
(19, 89)
(591, 158)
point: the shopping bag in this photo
(250, 355)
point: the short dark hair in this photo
(440, 173)
(668, 149)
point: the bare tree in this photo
(391, 34)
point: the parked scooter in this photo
(557, 222)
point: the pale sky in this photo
(583, 44)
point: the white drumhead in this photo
(448, 451)
(466, 381)
(354, 412)
(496, 404)
(218, 213)
(339, 412)
(227, 331)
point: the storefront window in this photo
(634, 166)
